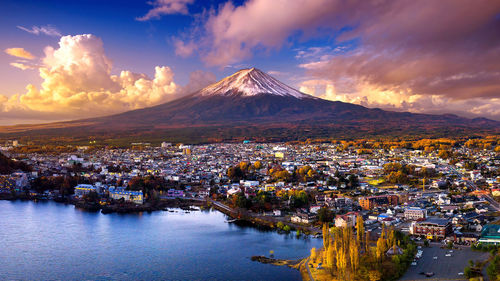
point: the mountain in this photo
(252, 104)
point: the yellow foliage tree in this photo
(341, 262)
(314, 255)
(381, 248)
(374, 275)
(330, 258)
(360, 229)
(354, 255)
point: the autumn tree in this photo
(314, 254)
(360, 228)
(374, 275)
(354, 254)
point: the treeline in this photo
(64, 184)
(8, 165)
(349, 255)
(398, 173)
(365, 146)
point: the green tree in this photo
(325, 215)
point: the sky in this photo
(66, 60)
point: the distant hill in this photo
(251, 104)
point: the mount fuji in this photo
(252, 104)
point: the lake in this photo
(52, 241)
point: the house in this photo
(344, 221)
(370, 202)
(432, 228)
(347, 220)
(175, 193)
(83, 189)
(314, 209)
(414, 213)
(396, 250)
(128, 195)
(303, 218)
(490, 234)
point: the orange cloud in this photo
(77, 83)
(20, 53)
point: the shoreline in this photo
(164, 204)
(123, 208)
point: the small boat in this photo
(231, 221)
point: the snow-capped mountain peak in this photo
(251, 82)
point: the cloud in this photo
(77, 83)
(23, 65)
(432, 51)
(166, 7)
(184, 49)
(20, 53)
(232, 33)
(389, 99)
(429, 48)
(46, 30)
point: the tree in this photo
(360, 228)
(493, 268)
(426, 243)
(330, 257)
(353, 181)
(325, 215)
(381, 248)
(354, 254)
(341, 262)
(242, 201)
(314, 254)
(326, 236)
(91, 197)
(467, 272)
(374, 275)
(445, 154)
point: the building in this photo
(175, 193)
(490, 234)
(83, 189)
(127, 195)
(413, 213)
(432, 228)
(370, 202)
(347, 220)
(303, 218)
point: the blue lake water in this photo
(52, 241)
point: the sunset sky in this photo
(64, 60)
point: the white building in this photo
(415, 213)
(127, 195)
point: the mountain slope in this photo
(251, 103)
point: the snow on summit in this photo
(251, 82)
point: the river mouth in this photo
(64, 243)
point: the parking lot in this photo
(444, 268)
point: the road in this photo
(220, 205)
(308, 270)
(271, 219)
(494, 204)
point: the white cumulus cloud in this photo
(77, 83)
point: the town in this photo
(440, 192)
